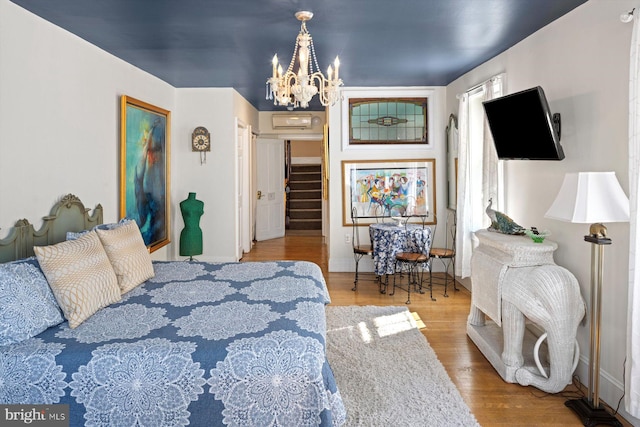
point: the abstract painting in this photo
(144, 169)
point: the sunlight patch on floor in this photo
(419, 323)
(365, 333)
(382, 326)
(394, 323)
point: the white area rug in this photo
(387, 373)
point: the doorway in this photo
(303, 208)
(288, 186)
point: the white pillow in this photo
(80, 276)
(128, 254)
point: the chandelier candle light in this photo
(296, 89)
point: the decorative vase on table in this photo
(191, 236)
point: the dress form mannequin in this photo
(191, 236)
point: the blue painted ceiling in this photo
(230, 43)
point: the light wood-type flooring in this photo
(493, 401)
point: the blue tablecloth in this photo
(389, 238)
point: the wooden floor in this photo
(493, 401)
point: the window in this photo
(388, 121)
(480, 171)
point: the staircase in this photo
(304, 202)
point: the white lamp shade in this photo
(590, 197)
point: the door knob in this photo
(259, 194)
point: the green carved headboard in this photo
(68, 214)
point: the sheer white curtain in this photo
(464, 219)
(491, 166)
(479, 170)
(632, 380)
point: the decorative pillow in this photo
(80, 276)
(112, 225)
(27, 306)
(128, 254)
(73, 235)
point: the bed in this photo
(196, 344)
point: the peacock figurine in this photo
(502, 223)
(491, 213)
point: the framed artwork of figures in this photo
(389, 188)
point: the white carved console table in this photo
(514, 279)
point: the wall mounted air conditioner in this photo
(291, 121)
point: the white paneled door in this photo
(243, 231)
(270, 189)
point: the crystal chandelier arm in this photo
(290, 79)
(287, 82)
(328, 92)
(319, 78)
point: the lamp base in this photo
(591, 416)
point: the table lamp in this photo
(596, 198)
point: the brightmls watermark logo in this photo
(35, 415)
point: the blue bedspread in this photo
(199, 344)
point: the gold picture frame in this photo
(145, 169)
(392, 187)
(325, 162)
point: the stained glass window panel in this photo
(388, 121)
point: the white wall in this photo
(208, 108)
(60, 117)
(581, 61)
(214, 181)
(60, 131)
(340, 251)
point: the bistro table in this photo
(388, 238)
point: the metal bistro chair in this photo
(446, 254)
(415, 259)
(381, 213)
(358, 250)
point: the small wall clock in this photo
(201, 142)
(200, 139)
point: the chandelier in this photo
(295, 89)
